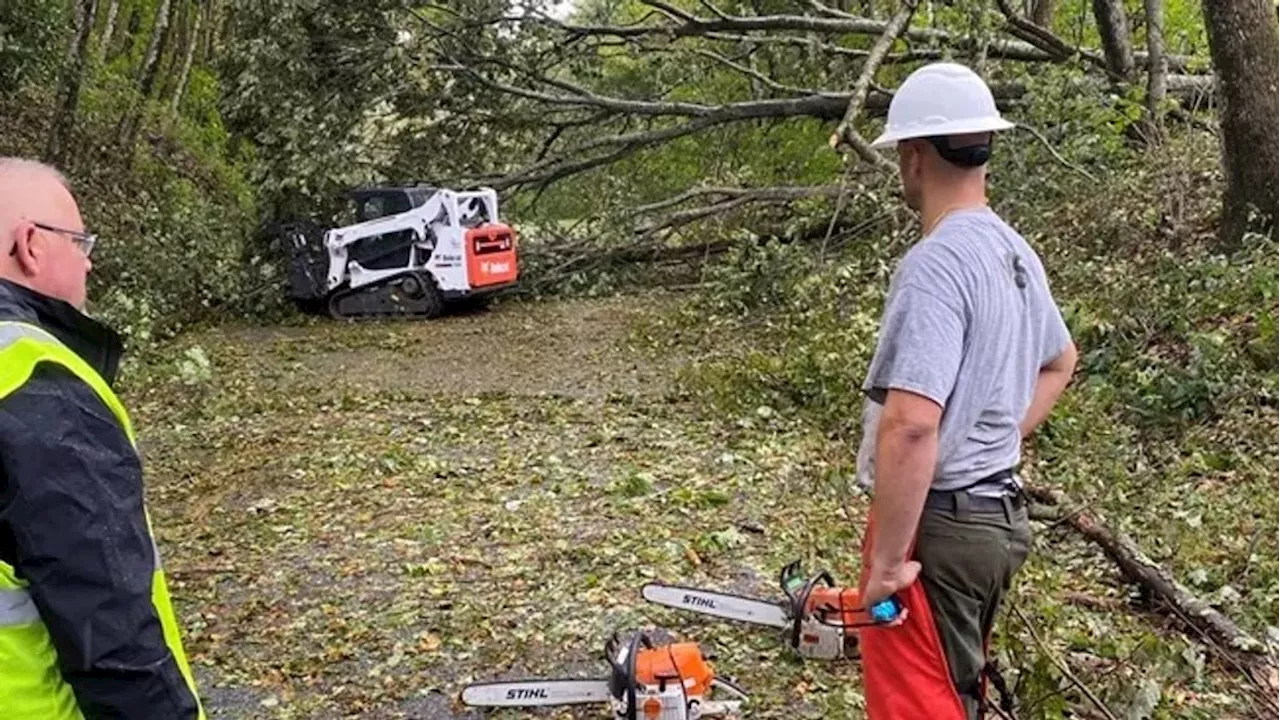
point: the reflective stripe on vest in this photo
(31, 684)
(17, 607)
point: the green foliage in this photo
(29, 31)
(174, 212)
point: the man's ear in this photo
(26, 248)
(910, 159)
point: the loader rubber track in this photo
(413, 294)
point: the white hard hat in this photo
(941, 99)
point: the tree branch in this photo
(769, 193)
(1140, 569)
(1036, 45)
(1048, 146)
(1062, 665)
(765, 79)
(1034, 34)
(732, 198)
(846, 133)
(812, 43)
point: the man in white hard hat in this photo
(972, 354)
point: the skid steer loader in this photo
(411, 251)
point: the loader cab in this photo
(394, 249)
(375, 202)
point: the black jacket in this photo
(72, 524)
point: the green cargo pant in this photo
(968, 559)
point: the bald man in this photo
(86, 626)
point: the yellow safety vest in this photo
(31, 685)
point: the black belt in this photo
(947, 500)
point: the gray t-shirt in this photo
(968, 323)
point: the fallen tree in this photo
(592, 127)
(1234, 646)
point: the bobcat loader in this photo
(411, 251)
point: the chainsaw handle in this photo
(799, 601)
(792, 575)
(788, 574)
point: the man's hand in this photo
(885, 581)
(1053, 379)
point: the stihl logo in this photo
(495, 268)
(527, 694)
(696, 601)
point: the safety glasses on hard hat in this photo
(85, 241)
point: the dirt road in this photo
(359, 519)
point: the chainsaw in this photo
(821, 620)
(649, 681)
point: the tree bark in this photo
(1113, 27)
(127, 130)
(1042, 13)
(1157, 68)
(64, 117)
(108, 32)
(155, 49)
(1243, 42)
(193, 39)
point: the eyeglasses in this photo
(83, 240)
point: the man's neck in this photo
(935, 207)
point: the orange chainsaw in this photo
(821, 619)
(649, 681)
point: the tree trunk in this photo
(1242, 42)
(211, 22)
(64, 117)
(1157, 67)
(127, 130)
(1113, 27)
(108, 31)
(193, 39)
(155, 49)
(1042, 13)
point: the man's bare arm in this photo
(906, 453)
(1053, 379)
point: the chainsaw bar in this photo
(536, 693)
(718, 604)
